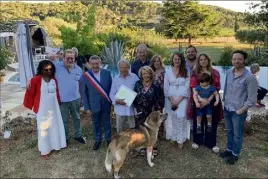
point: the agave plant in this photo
(112, 54)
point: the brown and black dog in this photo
(123, 142)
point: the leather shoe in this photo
(96, 145)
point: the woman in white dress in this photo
(176, 89)
(42, 97)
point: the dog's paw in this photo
(152, 157)
(151, 164)
(116, 176)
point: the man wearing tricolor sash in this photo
(95, 88)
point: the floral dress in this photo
(145, 101)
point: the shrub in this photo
(4, 57)
(226, 56)
(258, 55)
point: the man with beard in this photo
(240, 93)
(190, 61)
(141, 59)
(191, 53)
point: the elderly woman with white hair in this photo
(123, 113)
(147, 99)
(141, 59)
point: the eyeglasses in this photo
(71, 59)
(48, 69)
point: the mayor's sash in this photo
(96, 84)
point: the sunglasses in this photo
(48, 69)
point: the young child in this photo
(255, 68)
(204, 91)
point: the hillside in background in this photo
(109, 14)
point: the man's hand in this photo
(120, 102)
(240, 111)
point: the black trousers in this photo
(261, 93)
(206, 138)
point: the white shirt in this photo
(130, 82)
(97, 75)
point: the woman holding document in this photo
(123, 111)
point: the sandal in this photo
(143, 152)
(45, 157)
(216, 149)
(155, 151)
(195, 146)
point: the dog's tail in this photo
(109, 161)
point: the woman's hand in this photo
(28, 84)
(172, 101)
(204, 103)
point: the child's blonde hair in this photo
(254, 68)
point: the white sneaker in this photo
(195, 146)
(216, 149)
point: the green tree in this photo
(236, 26)
(83, 37)
(259, 15)
(188, 20)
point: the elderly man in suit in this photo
(95, 88)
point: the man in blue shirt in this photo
(141, 59)
(240, 93)
(68, 75)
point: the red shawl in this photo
(33, 93)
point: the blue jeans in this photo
(234, 125)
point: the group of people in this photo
(188, 92)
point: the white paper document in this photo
(127, 94)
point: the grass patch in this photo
(21, 158)
(214, 49)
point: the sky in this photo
(240, 6)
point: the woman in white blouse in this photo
(176, 89)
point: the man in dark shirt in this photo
(141, 59)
